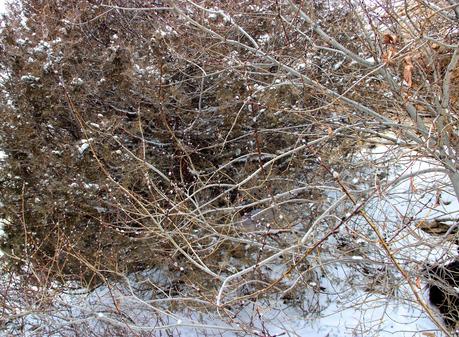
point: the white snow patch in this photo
(83, 147)
(338, 65)
(30, 78)
(263, 39)
(77, 81)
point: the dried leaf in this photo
(388, 56)
(412, 185)
(389, 39)
(408, 72)
(408, 60)
(407, 75)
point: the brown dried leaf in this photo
(408, 60)
(388, 56)
(407, 75)
(429, 334)
(389, 39)
(408, 72)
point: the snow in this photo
(360, 294)
(2, 232)
(338, 65)
(77, 81)
(300, 66)
(263, 39)
(83, 147)
(21, 42)
(2, 6)
(42, 47)
(352, 310)
(30, 79)
(370, 59)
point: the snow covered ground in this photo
(364, 295)
(3, 6)
(356, 292)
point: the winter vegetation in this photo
(229, 168)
